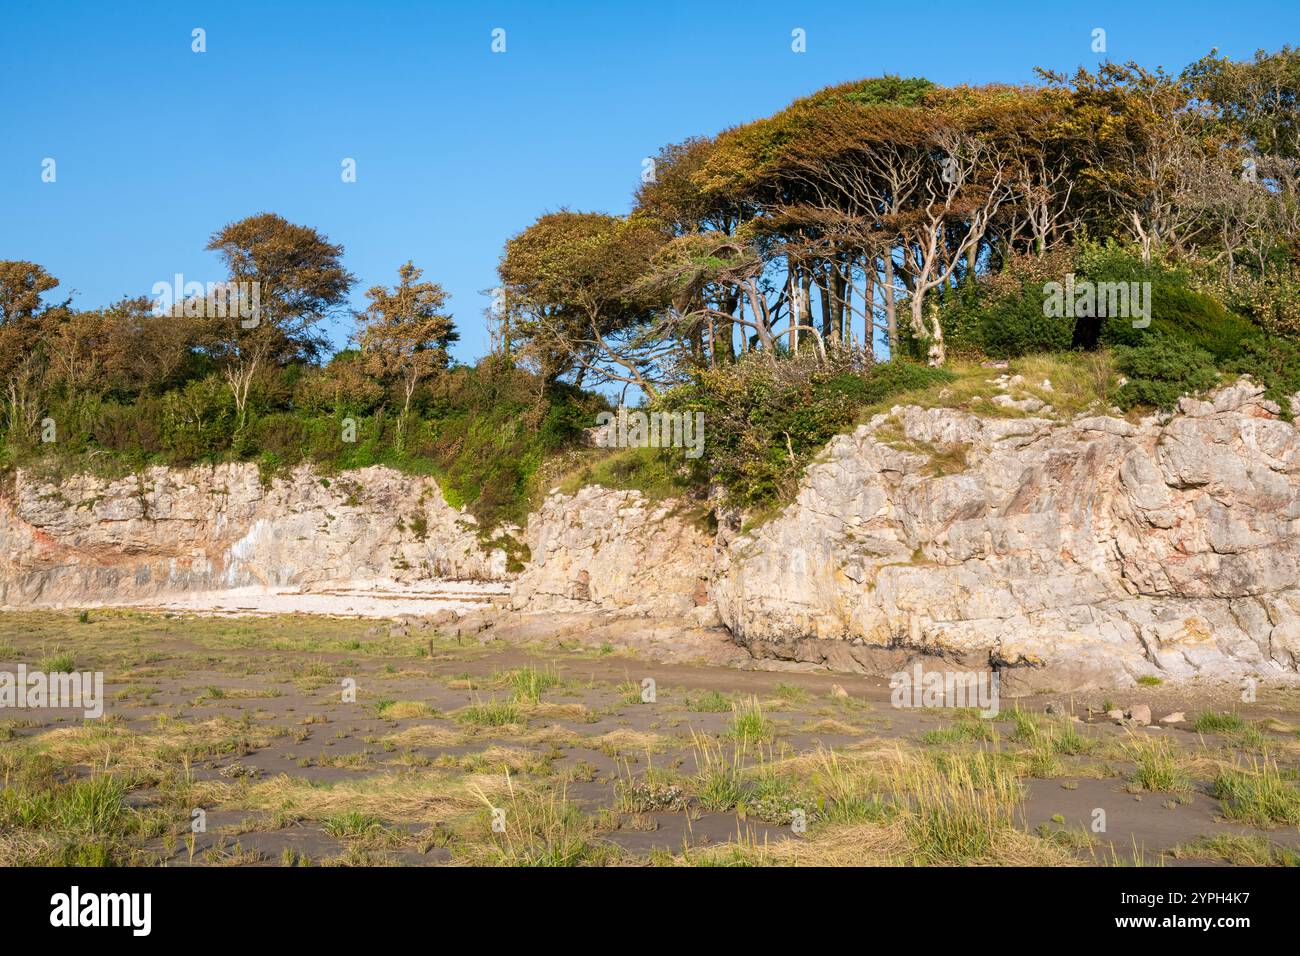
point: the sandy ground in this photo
(245, 718)
(371, 599)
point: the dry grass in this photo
(428, 796)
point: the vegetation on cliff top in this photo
(756, 279)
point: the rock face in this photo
(615, 551)
(1070, 555)
(211, 527)
(1067, 555)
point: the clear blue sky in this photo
(457, 148)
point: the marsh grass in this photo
(491, 713)
(538, 829)
(710, 702)
(529, 683)
(404, 709)
(1217, 722)
(1158, 765)
(352, 823)
(849, 792)
(1258, 795)
(1236, 850)
(957, 811)
(968, 728)
(718, 780)
(58, 662)
(80, 823)
(748, 722)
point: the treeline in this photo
(761, 276)
(856, 216)
(239, 370)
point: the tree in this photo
(572, 281)
(404, 335)
(677, 198)
(22, 352)
(21, 286)
(297, 278)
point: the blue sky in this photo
(457, 148)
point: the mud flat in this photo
(312, 739)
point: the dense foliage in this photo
(756, 278)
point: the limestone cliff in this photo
(1100, 549)
(615, 551)
(211, 527)
(1066, 553)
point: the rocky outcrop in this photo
(168, 531)
(617, 551)
(1065, 554)
(1068, 554)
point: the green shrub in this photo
(1004, 323)
(1161, 370)
(1178, 310)
(564, 422)
(764, 420)
(1274, 363)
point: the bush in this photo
(565, 421)
(1275, 364)
(1271, 300)
(1005, 324)
(1161, 370)
(1178, 310)
(764, 421)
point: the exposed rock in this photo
(171, 530)
(1175, 718)
(667, 639)
(1140, 714)
(1065, 555)
(617, 551)
(1068, 555)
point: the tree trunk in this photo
(891, 305)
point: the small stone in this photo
(1140, 714)
(1175, 718)
(838, 691)
(1115, 714)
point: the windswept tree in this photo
(678, 198)
(296, 277)
(404, 334)
(21, 286)
(572, 282)
(22, 351)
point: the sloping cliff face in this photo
(1072, 555)
(212, 527)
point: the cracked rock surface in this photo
(177, 530)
